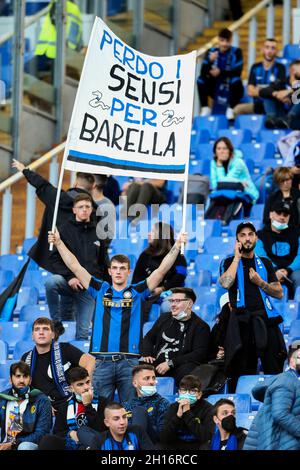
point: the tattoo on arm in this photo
(226, 281)
(274, 289)
(173, 250)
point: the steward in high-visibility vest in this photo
(46, 44)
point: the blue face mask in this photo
(78, 397)
(21, 392)
(278, 225)
(148, 390)
(188, 396)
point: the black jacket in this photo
(240, 434)
(194, 342)
(46, 192)
(81, 239)
(294, 201)
(147, 263)
(95, 418)
(281, 248)
(195, 427)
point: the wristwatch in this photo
(170, 363)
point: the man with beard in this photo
(25, 412)
(261, 75)
(252, 330)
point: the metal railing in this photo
(51, 156)
(251, 18)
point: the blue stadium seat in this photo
(291, 52)
(291, 314)
(3, 351)
(198, 136)
(30, 313)
(237, 136)
(130, 246)
(257, 211)
(258, 151)
(12, 332)
(253, 122)
(205, 295)
(27, 244)
(147, 327)
(224, 245)
(199, 166)
(242, 401)
(37, 278)
(22, 347)
(82, 345)
(165, 386)
(26, 296)
(268, 163)
(6, 277)
(12, 262)
(204, 151)
(70, 330)
(294, 330)
(245, 420)
(270, 135)
(297, 295)
(210, 262)
(211, 123)
(4, 384)
(207, 312)
(4, 368)
(212, 228)
(246, 383)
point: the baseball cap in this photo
(245, 224)
(280, 206)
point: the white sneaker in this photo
(205, 111)
(229, 114)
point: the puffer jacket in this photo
(237, 172)
(277, 423)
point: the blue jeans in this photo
(27, 446)
(274, 108)
(84, 304)
(110, 376)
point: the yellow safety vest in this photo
(46, 44)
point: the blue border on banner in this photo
(81, 157)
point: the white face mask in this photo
(181, 315)
(279, 225)
(78, 397)
(148, 390)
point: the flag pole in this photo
(184, 202)
(68, 137)
(61, 175)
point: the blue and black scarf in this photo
(57, 368)
(261, 270)
(216, 441)
(72, 412)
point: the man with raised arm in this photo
(117, 324)
(253, 330)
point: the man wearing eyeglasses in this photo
(117, 323)
(277, 423)
(188, 423)
(178, 341)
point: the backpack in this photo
(212, 377)
(198, 189)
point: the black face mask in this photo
(21, 392)
(229, 423)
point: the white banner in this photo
(133, 112)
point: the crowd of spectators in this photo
(107, 399)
